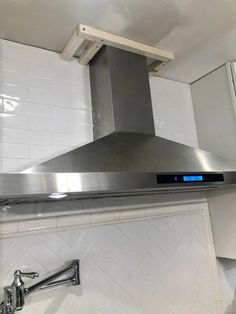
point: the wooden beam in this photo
(89, 52)
(98, 38)
(109, 39)
(72, 46)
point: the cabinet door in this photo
(223, 221)
(214, 113)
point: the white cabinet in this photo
(214, 109)
(213, 104)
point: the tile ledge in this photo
(33, 226)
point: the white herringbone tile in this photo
(155, 266)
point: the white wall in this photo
(45, 107)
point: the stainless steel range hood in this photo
(126, 156)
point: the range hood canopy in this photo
(126, 156)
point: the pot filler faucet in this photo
(14, 295)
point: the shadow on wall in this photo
(231, 309)
(227, 269)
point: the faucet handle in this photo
(31, 275)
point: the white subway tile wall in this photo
(45, 107)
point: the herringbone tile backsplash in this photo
(163, 265)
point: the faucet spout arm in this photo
(50, 281)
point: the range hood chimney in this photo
(121, 97)
(126, 156)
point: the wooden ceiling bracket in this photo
(89, 40)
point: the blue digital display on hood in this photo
(193, 178)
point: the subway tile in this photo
(24, 53)
(8, 150)
(59, 86)
(14, 136)
(40, 124)
(45, 152)
(38, 83)
(40, 151)
(179, 208)
(13, 121)
(51, 73)
(79, 73)
(25, 136)
(157, 211)
(8, 228)
(62, 126)
(80, 82)
(35, 55)
(60, 113)
(74, 220)
(41, 71)
(112, 216)
(58, 63)
(37, 224)
(62, 99)
(12, 65)
(68, 139)
(80, 116)
(15, 165)
(32, 109)
(41, 97)
(39, 137)
(22, 80)
(81, 89)
(83, 131)
(14, 93)
(80, 103)
(13, 51)
(132, 214)
(45, 124)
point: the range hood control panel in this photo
(190, 178)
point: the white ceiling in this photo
(202, 33)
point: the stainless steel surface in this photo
(14, 295)
(123, 162)
(121, 97)
(50, 282)
(38, 187)
(135, 153)
(18, 288)
(116, 164)
(7, 306)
